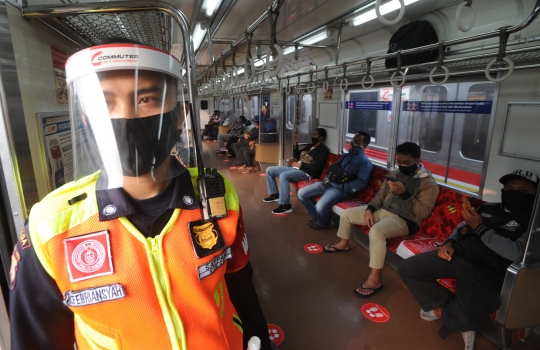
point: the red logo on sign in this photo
(276, 334)
(375, 312)
(88, 256)
(313, 248)
(96, 55)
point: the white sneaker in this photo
(469, 338)
(428, 315)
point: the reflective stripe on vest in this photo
(165, 305)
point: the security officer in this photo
(120, 258)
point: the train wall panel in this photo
(522, 86)
(332, 134)
(32, 42)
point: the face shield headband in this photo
(124, 112)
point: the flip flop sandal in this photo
(375, 290)
(336, 250)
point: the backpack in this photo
(411, 35)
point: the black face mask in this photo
(145, 143)
(408, 170)
(517, 201)
(314, 140)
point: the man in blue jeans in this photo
(310, 164)
(357, 165)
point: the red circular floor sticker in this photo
(276, 334)
(375, 312)
(291, 193)
(226, 160)
(233, 167)
(262, 174)
(221, 154)
(313, 248)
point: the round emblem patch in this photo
(188, 200)
(88, 256)
(109, 210)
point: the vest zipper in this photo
(172, 318)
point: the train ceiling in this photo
(229, 20)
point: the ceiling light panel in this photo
(385, 9)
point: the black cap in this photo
(520, 174)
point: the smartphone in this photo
(389, 178)
(466, 204)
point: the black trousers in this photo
(246, 155)
(230, 144)
(478, 290)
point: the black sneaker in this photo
(314, 225)
(283, 209)
(273, 198)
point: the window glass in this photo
(476, 126)
(374, 119)
(253, 107)
(290, 111)
(451, 129)
(431, 124)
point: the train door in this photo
(303, 106)
(451, 123)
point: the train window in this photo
(370, 111)
(431, 126)
(476, 126)
(253, 107)
(238, 106)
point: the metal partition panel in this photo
(16, 162)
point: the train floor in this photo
(310, 296)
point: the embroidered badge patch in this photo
(24, 239)
(94, 295)
(15, 258)
(214, 264)
(88, 256)
(206, 237)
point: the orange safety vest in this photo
(146, 292)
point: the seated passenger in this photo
(236, 130)
(246, 156)
(477, 254)
(358, 168)
(243, 140)
(214, 122)
(404, 200)
(309, 166)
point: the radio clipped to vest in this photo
(212, 195)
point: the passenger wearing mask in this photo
(235, 131)
(406, 197)
(213, 123)
(245, 139)
(477, 254)
(122, 257)
(310, 165)
(335, 188)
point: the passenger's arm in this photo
(378, 200)
(505, 247)
(39, 319)
(318, 161)
(242, 291)
(422, 205)
(297, 151)
(361, 182)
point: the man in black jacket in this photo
(310, 164)
(476, 254)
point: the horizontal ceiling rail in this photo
(474, 38)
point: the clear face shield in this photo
(127, 123)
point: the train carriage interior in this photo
(467, 91)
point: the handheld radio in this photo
(212, 195)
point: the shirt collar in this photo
(115, 202)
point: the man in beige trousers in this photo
(407, 197)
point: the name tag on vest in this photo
(94, 295)
(88, 256)
(214, 264)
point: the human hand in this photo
(368, 218)
(472, 218)
(296, 164)
(446, 251)
(396, 187)
(246, 136)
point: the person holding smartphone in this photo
(477, 254)
(404, 200)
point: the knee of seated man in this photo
(376, 234)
